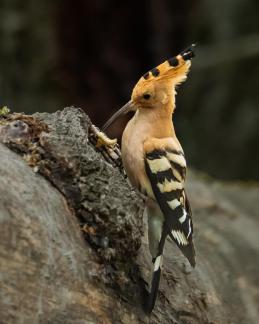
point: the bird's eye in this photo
(146, 96)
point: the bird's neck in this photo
(158, 122)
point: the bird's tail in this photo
(158, 262)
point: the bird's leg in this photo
(108, 147)
(102, 139)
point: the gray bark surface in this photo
(71, 230)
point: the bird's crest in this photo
(174, 69)
(157, 86)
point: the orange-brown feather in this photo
(170, 143)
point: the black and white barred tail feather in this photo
(158, 262)
(157, 270)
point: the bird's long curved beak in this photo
(122, 111)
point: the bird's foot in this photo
(108, 147)
(102, 139)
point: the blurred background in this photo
(91, 53)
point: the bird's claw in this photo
(102, 139)
(108, 147)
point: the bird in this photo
(155, 163)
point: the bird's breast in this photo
(132, 149)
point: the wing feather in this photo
(166, 170)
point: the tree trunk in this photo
(73, 247)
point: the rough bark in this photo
(71, 229)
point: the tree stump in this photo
(73, 245)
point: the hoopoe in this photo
(155, 163)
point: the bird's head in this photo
(156, 88)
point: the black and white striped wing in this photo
(166, 170)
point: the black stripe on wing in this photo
(170, 195)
